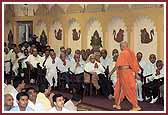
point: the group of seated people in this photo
(75, 72)
(20, 97)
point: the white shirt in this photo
(18, 109)
(34, 60)
(89, 67)
(12, 55)
(22, 56)
(78, 69)
(70, 106)
(36, 107)
(7, 65)
(105, 62)
(113, 77)
(69, 57)
(44, 59)
(142, 63)
(149, 69)
(54, 110)
(6, 57)
(159, 76)
(64, 68)
(51, 67)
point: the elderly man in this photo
(8, 102)
(32, 61)
(104, 59)
(18, 86)
(97, 71)
(92, 68)
(126, 66)
(77, 67)
(64, 67)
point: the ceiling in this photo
(36, 9)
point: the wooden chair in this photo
(88, 84)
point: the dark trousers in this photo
(66, 77)
(77, 82)
(152, 88)
(104, 85)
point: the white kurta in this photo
(114, 75)
(78, 69)
(63, 68)
(89, 67)
(34, 60)
(142, 63)
(7, 65)
(105, 62)
(54, 110)
(149, 69)
(51, 70)
(159, 76)
(36, 107)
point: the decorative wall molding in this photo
(116, 24)
(141, 23)
(74, 24)
(93, 25)
(40, 25)
(56, 44)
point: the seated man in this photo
(36, 106)
(58, 100)
(42, 96)
(90, 71)
(97, 71)
(32, 61)
(18, 86)
(156, 81)
(22, 100)
(78, 69)
(64, 66)
(105, 60)
(149, 70)
(72, 104)
(8, 102)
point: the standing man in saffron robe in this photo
(126, 67)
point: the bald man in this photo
(126, 67)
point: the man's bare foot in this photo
(117, 107)
(136, 108)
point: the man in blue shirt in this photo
(22, 100)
